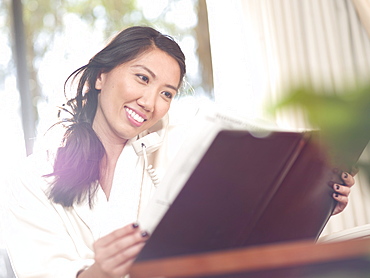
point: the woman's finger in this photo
(120, 263)
(348, 179)
(119, 244)
(342, 202)
(342, 189)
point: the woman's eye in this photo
(167, 95)
(143, 78)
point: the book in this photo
(237, 183)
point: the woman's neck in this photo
(108, 166)
(113, 148)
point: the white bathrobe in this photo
(46, 240)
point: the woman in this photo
(66, 214)
(66, 218)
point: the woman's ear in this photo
(99, 81)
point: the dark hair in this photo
(77, 162)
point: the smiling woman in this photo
(71, 214)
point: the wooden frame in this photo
(301, 254)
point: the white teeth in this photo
(135, 116)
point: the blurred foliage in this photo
(342, 117)
(118, 12)
(45, 19)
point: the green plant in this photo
(343, 117)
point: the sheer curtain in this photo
(261, 46)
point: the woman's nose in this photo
(147, 101)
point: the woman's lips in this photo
(134, 117)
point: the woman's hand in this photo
(342, 192)
(115, 253)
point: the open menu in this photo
(235, 183)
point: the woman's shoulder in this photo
(30, 171)
(38, 163)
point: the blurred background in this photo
(245, 54)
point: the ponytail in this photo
(77, 162)
(76, 166)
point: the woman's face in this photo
(135, 95)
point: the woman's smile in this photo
(134, 117)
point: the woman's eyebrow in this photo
(172, 87)
(153, 75)
(145, 68)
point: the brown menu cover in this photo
(246, 191)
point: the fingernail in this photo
(337, 187)
(336, 195)
(144, 234)
(135, 225)
(345, 175)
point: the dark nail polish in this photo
(135, 225)
(336, 195)
(144, 234)
(337, 187)
(345, 175)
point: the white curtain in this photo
(261, 46)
